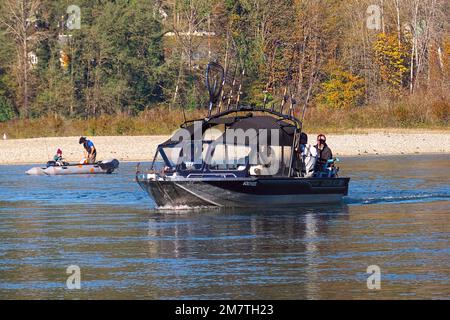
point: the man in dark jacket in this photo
(323, 152)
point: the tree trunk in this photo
(397, 9)
(414, 47)
(25, 60)
(25, 78)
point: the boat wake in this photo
(413, 198)
(184, 208)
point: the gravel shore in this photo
(142, 148)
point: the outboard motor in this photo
(109, 165)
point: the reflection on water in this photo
(396, 217)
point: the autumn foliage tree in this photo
(391, 57)
(131, 56)
(340, 89)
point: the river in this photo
(396, 217)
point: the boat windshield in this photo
(269, 160)
(229, 157)
(170, 156)
(222, 156)
(187, 155)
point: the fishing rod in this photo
(298, 131)
(239, 64)
(215, 75)
(288, 79)
(225, 77)
(175, 94)
(284, 98)
(269, 81)
(240, 87)
(230, 95)
(312, 80)
(308, 95)
(293, 103)
(292, 94)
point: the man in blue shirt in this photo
(90, 150)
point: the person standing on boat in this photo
(90, 150)
(323, 153)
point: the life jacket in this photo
(87, 147)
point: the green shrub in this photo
(6, 110)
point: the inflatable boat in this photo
(53, 168)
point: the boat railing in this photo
(211, 175)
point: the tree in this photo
(7, 107)
(341, 89)
(117, 58)
(391, 58)
(19, 19)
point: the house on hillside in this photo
(192, 31)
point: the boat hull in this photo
(80, 169)
(104, 167)
(260, 192)
(36, 171)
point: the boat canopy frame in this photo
(288, 120)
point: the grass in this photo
(409, 113)
(156, 121)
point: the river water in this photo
(397, 217)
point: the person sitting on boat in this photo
(90, 150)
(308, 155)
(323, 153)
(58, 158)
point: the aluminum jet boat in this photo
(243, 156)
(53, 168)
(221, 179)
